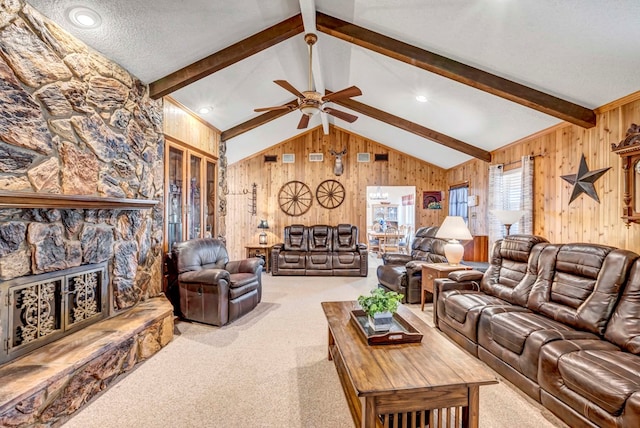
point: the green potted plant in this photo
(380, 306)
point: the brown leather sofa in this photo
(560, 321)
(320, 250)
(212, 289)
(402, 273)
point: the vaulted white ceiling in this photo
(584, 52)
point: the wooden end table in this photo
(260, 251)
(431, 271)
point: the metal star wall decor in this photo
(583, 180)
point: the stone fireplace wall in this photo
(72, 122)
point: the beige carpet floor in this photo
(268, 369)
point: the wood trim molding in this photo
(457, 71)
(192, 148)
(414, 128)
(50, 200)
(226, 57)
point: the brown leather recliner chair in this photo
(212, 289)
(402, 273)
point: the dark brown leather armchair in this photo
(212, 289)
(402, 273)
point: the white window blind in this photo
(512, 191)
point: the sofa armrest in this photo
(466, 275)
(445, 284)
(396, 258)
(252, 265)
(205, 276)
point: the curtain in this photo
(458, 202)
(495, 201)
(526, 223)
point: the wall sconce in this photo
(263, 235)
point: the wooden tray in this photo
(401, 331)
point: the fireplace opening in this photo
(42, 308)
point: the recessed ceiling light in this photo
(83, 17)
(205, 110)
(421, 98)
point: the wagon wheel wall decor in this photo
(330, 194)
(295, 198)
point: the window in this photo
(512, 191)
(458, 195)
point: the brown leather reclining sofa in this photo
(560, 321)
(320, 250)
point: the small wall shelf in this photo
(50, 200)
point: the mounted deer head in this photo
(338, 168)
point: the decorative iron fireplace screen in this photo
(39, 309)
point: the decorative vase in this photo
(381, 321)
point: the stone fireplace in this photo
(81, 221)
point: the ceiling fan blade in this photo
(284, 107)
(289, 87)
(341, 114)
(352, 91)
(304, 122)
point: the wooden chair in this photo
(374, 243)
(391, 240)
(405, 240)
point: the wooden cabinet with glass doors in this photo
(190, 183)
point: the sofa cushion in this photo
(459, 303)
(511, 330)
(516, 337)
(513, 269)
(607, 378)
(595, 378)
(320, 237)
(578, 284)
(242, 283)
(295, 238)
(345, 238)
(624, 327)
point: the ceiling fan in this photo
(312, 102)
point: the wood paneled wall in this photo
(585, 220)
(400, 170)
(184, 126)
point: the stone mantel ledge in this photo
(53, 381)
(51, 200)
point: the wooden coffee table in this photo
(402, 385)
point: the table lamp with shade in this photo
(508, 217)
(454, 229)
(262, 240)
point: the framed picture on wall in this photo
(432, 200)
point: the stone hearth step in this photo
(50, 384)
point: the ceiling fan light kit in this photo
(311, 102)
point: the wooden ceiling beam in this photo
(255, 122)
(414, 128)
(443, 66)
(226, 57)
